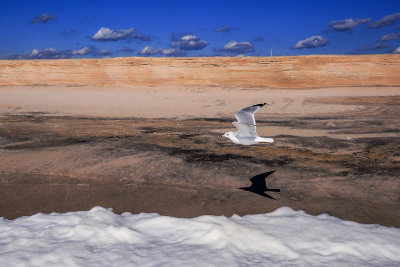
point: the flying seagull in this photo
(259, 186)
(246, 133)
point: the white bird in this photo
(246, 133)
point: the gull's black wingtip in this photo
(260, 105)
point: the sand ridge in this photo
(277, 72)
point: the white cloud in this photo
(397, 50)
(189, 37)
(386, 21)
(347, 24)
(365, 49)
(91, 50)
(238, 47)
(36, 54)
(47, 53)
(45, 17)
(188, 42)
(171, 52)
(84, 51)
(51, 53)
(311, 42)
(389, 37)
(106, 34)
(149, 51)
(36, 51)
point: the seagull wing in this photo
(245, 130)
(246, 115)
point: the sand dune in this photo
(276, 72)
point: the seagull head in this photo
(228, 135)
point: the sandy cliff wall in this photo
(279, 72)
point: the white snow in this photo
(284, 237)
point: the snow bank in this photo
(284, 237)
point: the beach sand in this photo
(149, 149)
(158, 149)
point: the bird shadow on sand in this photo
(259, 186)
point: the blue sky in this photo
(96, 29)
